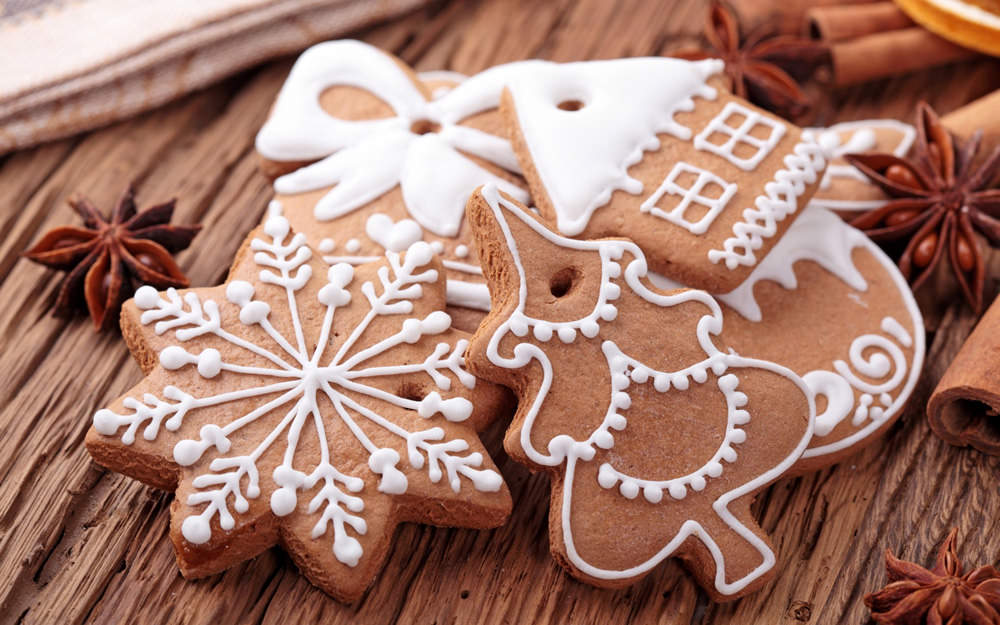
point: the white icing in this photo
(626, 370)
(442, 75)
(740, 134)
(861, 139)
(780, 200)
(579, 161)
(362, 160)
(818, 235)
(462, 251)
(299, 373)
(688, 196)
(352, 246)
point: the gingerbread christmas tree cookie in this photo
(309, 406)
(373, 158)
(655, 150)
(656, 435)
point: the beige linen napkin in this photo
(71, 65)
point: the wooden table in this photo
(79, 544)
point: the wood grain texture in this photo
(80, 545)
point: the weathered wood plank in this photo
(81, 545)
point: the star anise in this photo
(761, 68)
(941, 197)
(108, 260)
(941, 595)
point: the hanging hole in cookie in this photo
(570, 105)
(410, 391)
(424, 126)
(562, 281)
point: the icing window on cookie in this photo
(706, 190)
(741, 136)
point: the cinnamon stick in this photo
(785, 17)
(963, 410)
(982, 114)
(843, 22)
(891, 53)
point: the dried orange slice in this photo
(974, 24)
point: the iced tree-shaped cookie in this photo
(656, 438)
(305, 405)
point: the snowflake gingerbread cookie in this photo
(304, 405)
(657, 436)
(716, 194)
(373, 159)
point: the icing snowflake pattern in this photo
(299, 376)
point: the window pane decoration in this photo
(717, 193)
(747, 137)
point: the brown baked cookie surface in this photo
(368, 157)
(309, 406)
(656, 435)
(656, 151)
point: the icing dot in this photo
(589, 328)
(698, 483)
(239, 292)
(254, 312)
(741, 417)
(614, 270)
(604, 439)
(348, 550)
(699, 375)
(653, 494)
(622, 400)
(639, 376)
(209, 363)
(678, 490)
(326, 245)
(606, 476)
(729, 454)
(352, 246)
(462, 251)
(196, 530)
(738, 436)
(661, 382)
(566, 334)
(105, 422)
(518, 326)
(617, 421)
(619, 381)
(276, 227)
(714, 469)
(187, 452)
(410, 331)
(437, 247)
(885, 398)
(629, 489)
(436, 322)
(543, 332)
(680, 382)
(718, 367)
(174, 357)
(146, 297)
(283, 501)
(612, 291)
(420, 253)
(608, 312)
(274, 208)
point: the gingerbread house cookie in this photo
(654, 150)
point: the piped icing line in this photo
(563, 448)
(862, 139)
(781, 198)
(362, 160)
(578, 169)
(820, 236)
(299, 373)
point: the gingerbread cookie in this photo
(656, 435)
(831, 306)
(374, 158)
(304, 405)
(655, 150)
(844, 188)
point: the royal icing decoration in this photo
(560, 105)
(621, 279)
(861, 137)
(362, 160)
(739, 133)
(820, 236)
(690, 195)
(300, 379)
